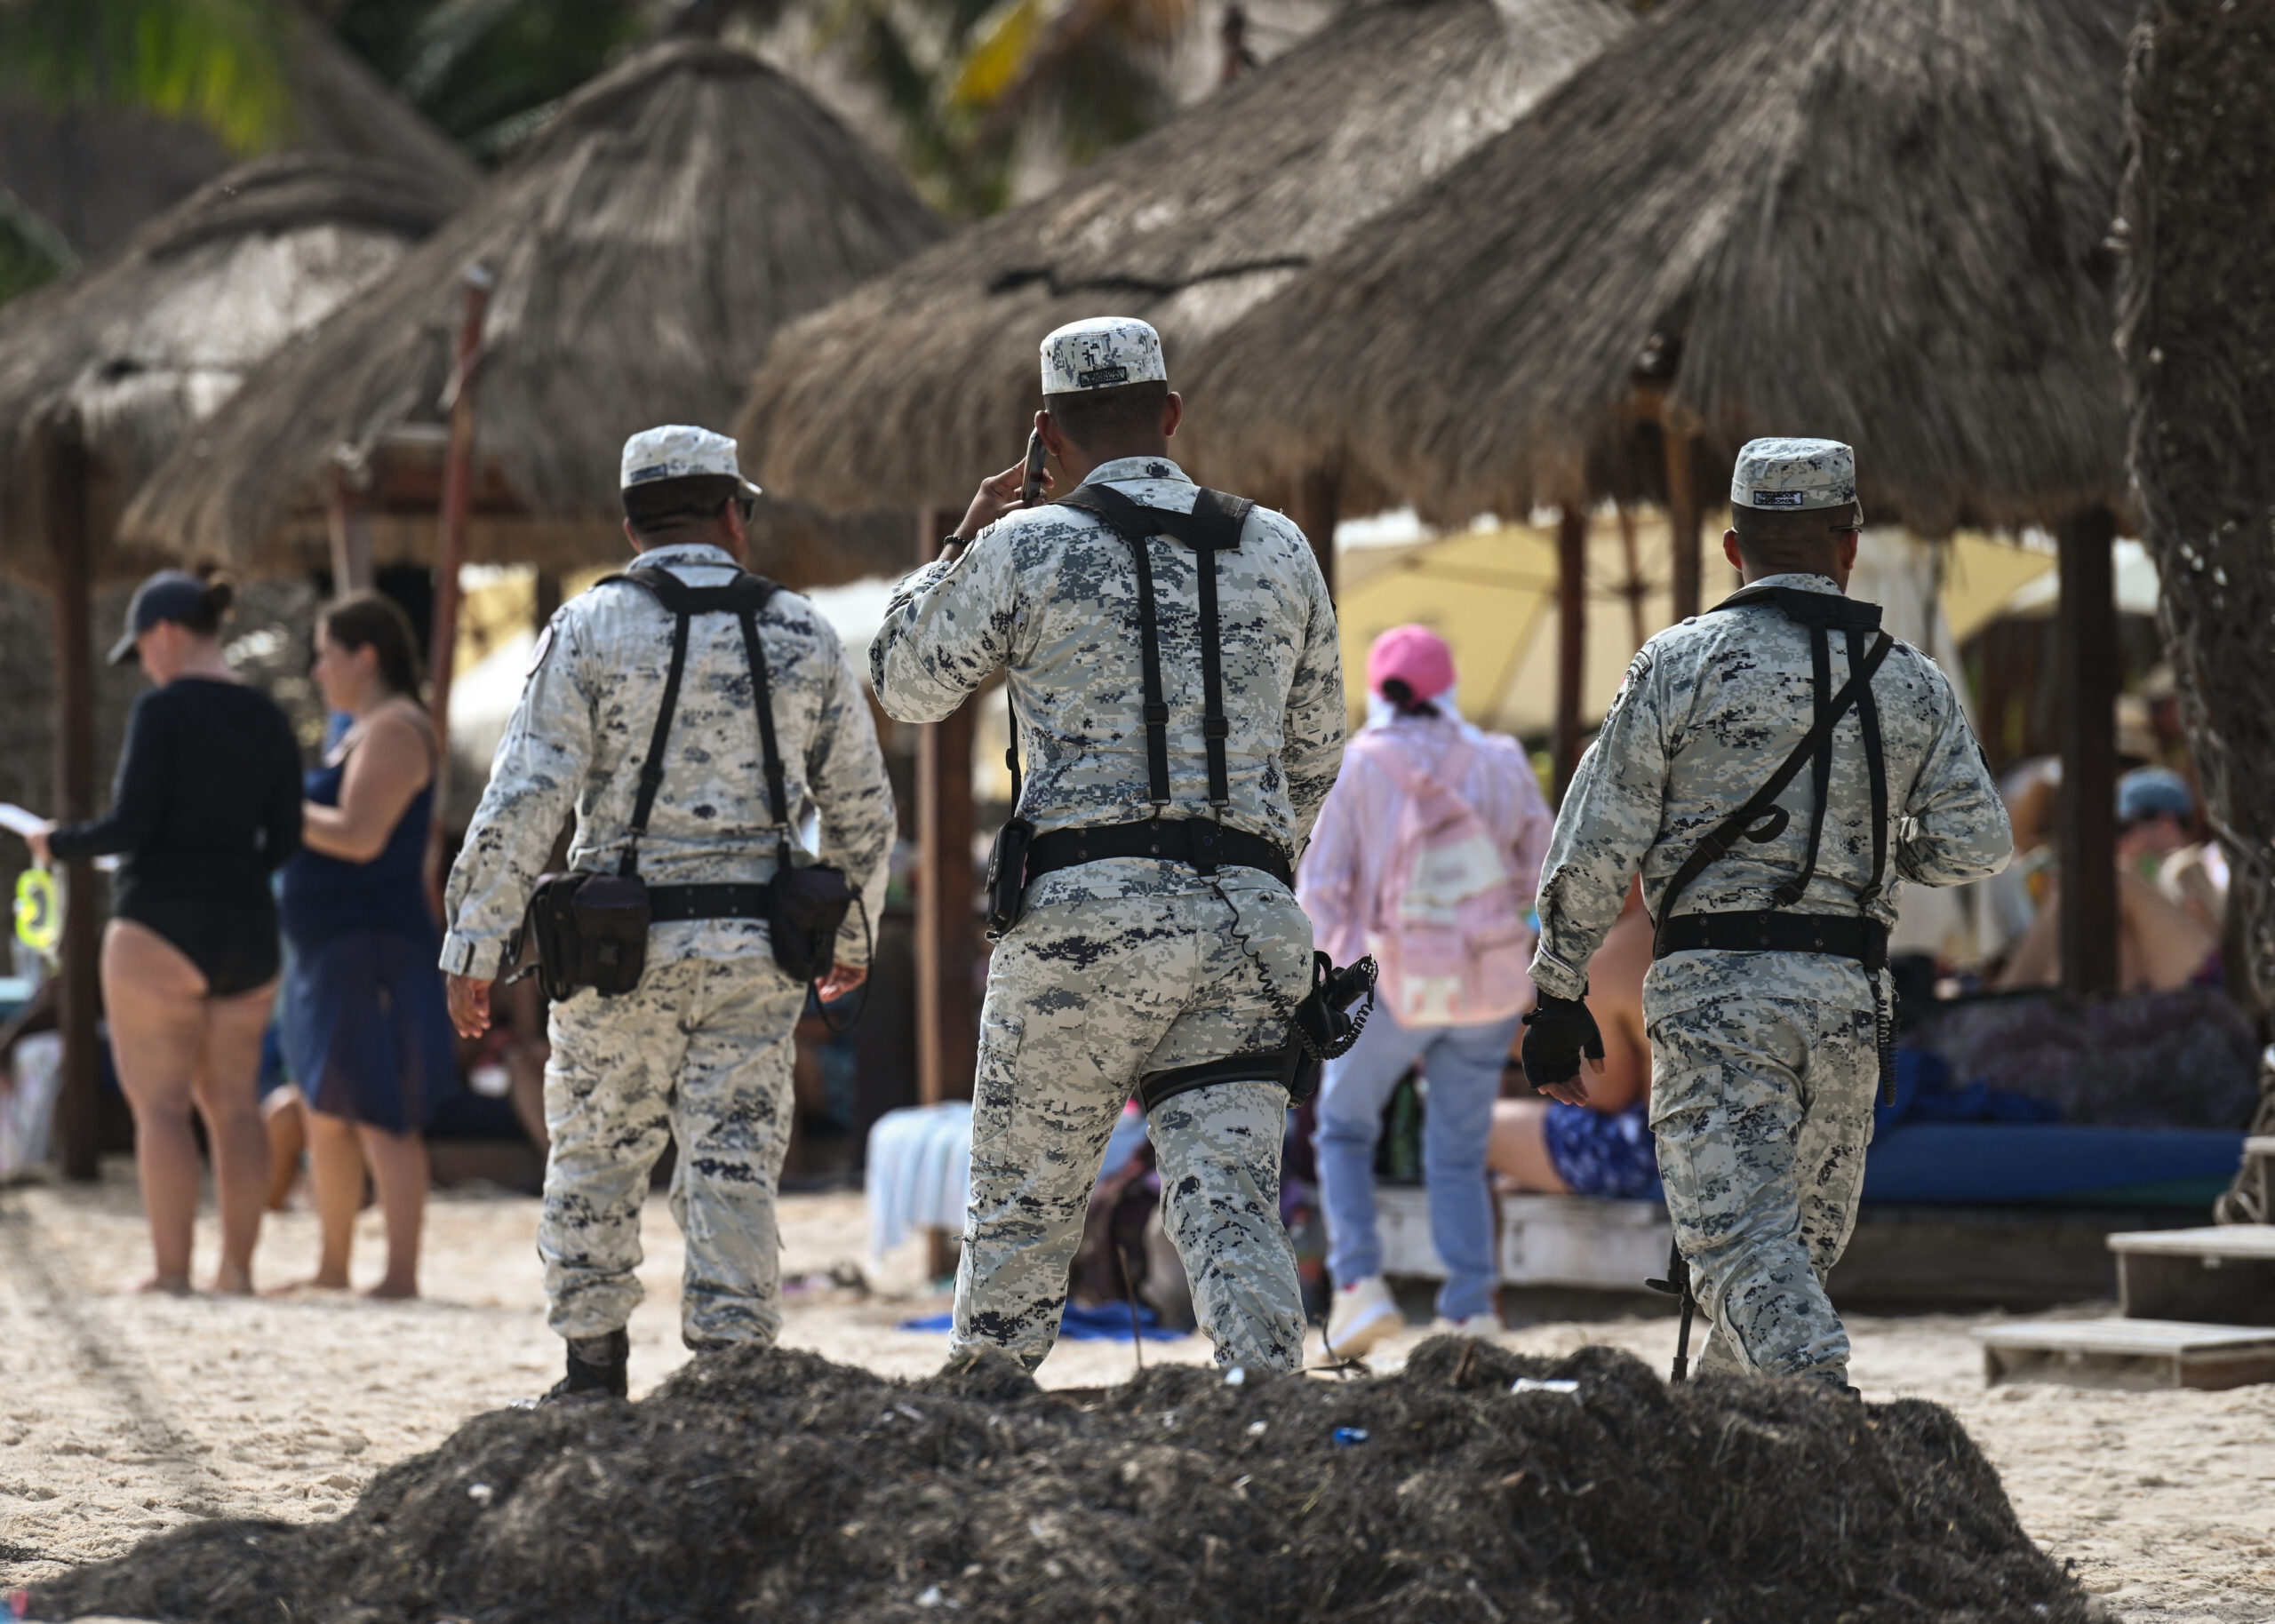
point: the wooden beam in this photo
(1571, 636)
(2087, 658)
(1319, 501)
(347, 525)
(64, 461)
(1634, 588)
(1683, 520)
(947, 930)
(450, 550)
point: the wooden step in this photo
(2259, 1171)
(2223, 1274)
(2129, 1353)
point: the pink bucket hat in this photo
(1416, 654)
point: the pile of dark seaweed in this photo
(774, 1485)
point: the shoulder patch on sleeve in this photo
(1638, 669)
(544, 647)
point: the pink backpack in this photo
(1448, 931)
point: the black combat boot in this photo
(596, 1367)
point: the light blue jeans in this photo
(1462, 1065)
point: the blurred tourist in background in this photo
(367, 1033)
(206, 805)
(1426, 854)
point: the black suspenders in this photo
(745, 597)
(1212, 527)
(1760, 819)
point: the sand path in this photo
(122, 1414)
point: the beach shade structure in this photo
(1493, 594)
(914, 388)
(1185, 228)
(94, 174)
(639, 253)
(102, 373)
(2198, 352)
(1884, 221)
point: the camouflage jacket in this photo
(579, 735)
(1051, 593)
(1710, 708)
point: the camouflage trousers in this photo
(1762, 1108)
(1085, 995)
(699, 1054)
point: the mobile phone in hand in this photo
(1031, 487)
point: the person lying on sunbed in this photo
(1604, 1147)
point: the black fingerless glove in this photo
(1557, 1033)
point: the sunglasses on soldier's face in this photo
(745, 506)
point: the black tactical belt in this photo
(1202, 843)
(745, 901)
(1839, 935)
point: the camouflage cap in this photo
(678, 451)
(1774, 474)
(1103, 352)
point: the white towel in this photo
(920, 1172)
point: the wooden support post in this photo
(947, 932)
(2086, 653)
(450, 552)
(1682, 520)
(1571, 636)
(348, 525)
(1634, 588)
(1319, 501)
(71, 589)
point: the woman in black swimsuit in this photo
(206, 805)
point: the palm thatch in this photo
(2199, 339)
(139, 346)
(922, 383)
(645, 247)
(97, 173)
(1882, 220)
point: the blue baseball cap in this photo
(2152, 791)
(170, 594)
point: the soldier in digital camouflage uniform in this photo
(1134, 966)
(1765, 1064)
(701, 1050)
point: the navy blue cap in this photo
(170, 594)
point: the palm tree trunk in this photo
(2197, 331)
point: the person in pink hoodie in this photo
(1356, 881)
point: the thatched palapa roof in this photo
(917, 386)
(645, 247)
(1880, 221)
(142, 343)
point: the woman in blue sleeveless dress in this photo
(367, 1035)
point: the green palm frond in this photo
(219, 62)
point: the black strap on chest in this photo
(1760, 819)
(745, 597)
(1212, 527)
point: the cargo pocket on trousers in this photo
(994, 1080)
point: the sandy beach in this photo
(122, 1414)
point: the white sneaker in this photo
(1362, 1314)
(1484, 1327)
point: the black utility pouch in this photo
(590, 930)
(1007, 876)
(806, 909)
